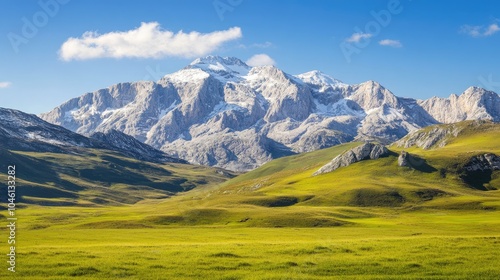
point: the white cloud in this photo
(390, 43)
(146, 41)
(357, 37)
(492, 29)
(480, 31)
(260, 60)
(5, 84)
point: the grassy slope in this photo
(97, 177)
(365, 189)
(370, 220)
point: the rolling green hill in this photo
(94, 177)
(373, 219)
(283, 192)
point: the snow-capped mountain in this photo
(221, 112)
(474, 103)
(25, 132)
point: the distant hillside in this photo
(284, 192)
(25, 132)
(100, 177)
(56, 166)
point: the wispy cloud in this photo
(260, 60)
(146, 41)
(264, 45)
(5, 84)
(480, 31)
(357, 37)
(492, 29)
(390, 43)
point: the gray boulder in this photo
(363, 152)
(484, 162)
(404, 159)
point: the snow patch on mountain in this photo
(221, 112)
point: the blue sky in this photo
(414, 48)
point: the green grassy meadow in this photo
(371, 220)
(432, 245)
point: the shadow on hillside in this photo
(478, 180)
(420, 164)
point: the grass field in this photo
(371, 220)
(432, 245)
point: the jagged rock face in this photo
(486, 162)
(435, 137)
(371, 95)
(363, 152)
(475, 103)
(204, 112)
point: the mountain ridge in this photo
(20, 131)
(221, 112)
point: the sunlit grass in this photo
(371, 220)
(396, 245)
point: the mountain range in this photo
(221, 112)
(25, 132)
(56, 166)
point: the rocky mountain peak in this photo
(214, 59)
(473, 103)
(220, 65)
(318, 78)
(208, 112)
(371, 95)
(473, 89)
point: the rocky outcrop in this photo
(486, 162)
(477, 172)
(404, 159)
(425, 139)
(363, 152)
(436, 136)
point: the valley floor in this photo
(373, 219)
(397, 245)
